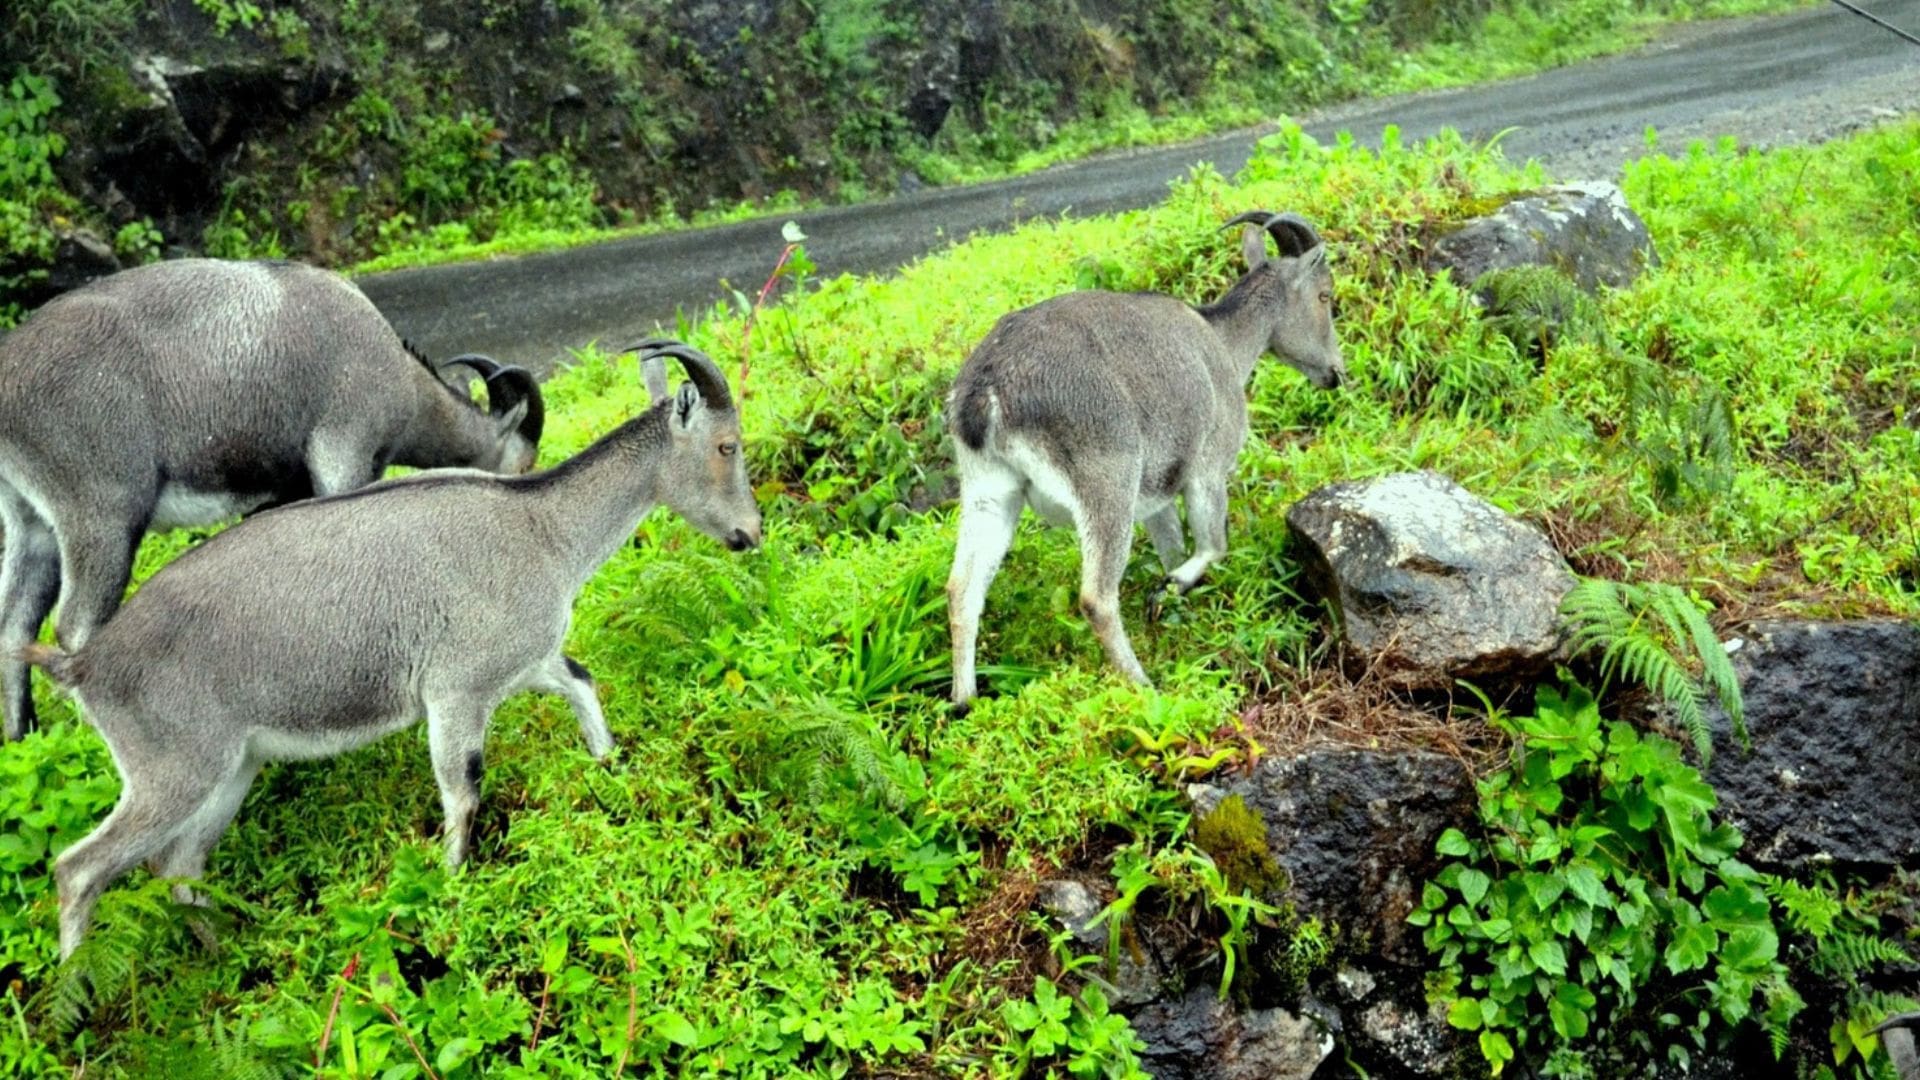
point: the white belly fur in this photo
(180, 507)
(266, 745)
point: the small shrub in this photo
(1599, 917)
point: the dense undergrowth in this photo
(799, 864)
(382, 134)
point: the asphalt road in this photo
(1797, 77)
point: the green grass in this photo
(797, 863)
(1502, 45)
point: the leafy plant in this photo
(1081, 1033)
(1656, 635)
(1188, 876)
(1600, 914)
(28, 188)
(226, 14)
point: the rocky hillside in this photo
(337, 129)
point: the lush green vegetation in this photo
(469, 130)
(799, 864)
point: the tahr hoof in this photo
(960, 709)
(1157, 598)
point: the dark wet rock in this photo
(79, 257)
(1354, 831)
(1431, 582)
(1388, 1028)
(1200, 1037)
(1834, 711)
(164, 152)
(1585, 230)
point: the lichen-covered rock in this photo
(1354, 831)
(1431, 582)
(1200, 1037)
(1585, 230)
(1834, 712)
(1403, 1038)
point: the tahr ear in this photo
(1253, 246)
(653, 369)
(688, 409)
(506, 423)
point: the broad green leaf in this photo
(1545, 889)
(1496, 1049)
(674, 1028)
(1751, 948)
(1736, 905)
(1570, 1011)
(1453, 842)
(1548, 956)
(1690, 946)
(1464, 1014)
(453, 1053)
(1584, 882)
(1473, 885)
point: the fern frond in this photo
(1810, 909)
(1595, 615)
(1783, 1004)
(807, 740)
(136, 929)
(1652, 634)
(1645, 660)
(1846, 954)
(1689, 626)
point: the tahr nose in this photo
(742, 540)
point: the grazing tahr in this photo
(185, 392)
(1099, 409)
(317, 627)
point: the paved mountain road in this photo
(1798, 77)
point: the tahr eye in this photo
(728, 449)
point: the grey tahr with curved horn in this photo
(1099, 409)
(185, 392)
(317, 627)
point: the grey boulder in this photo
(1585, 230)
(1432, 583)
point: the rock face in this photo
(1200, 1037)
(1354, 830)
(162, 155)
(1585, 230)
(1834, 711)
(1432, 583)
